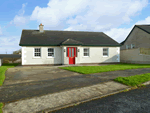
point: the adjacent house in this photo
(9, 56)
(47, 47)
(136, 47)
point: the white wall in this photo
(96, 55)
(29, 59)
(1, 61)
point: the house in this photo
(8, 56)
(47, 47)
(136, 47)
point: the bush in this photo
(5, 61)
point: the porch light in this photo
(78, 50)
(64, 50)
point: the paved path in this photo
(134, 101)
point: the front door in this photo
(71, 54)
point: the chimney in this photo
(41, 27)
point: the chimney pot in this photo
(41, 27)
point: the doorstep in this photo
(64, 99)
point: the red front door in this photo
(71, 54)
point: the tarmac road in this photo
(133, 101)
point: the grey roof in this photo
(57, 38)
(145, 28)
(10, 56)
(71, 41)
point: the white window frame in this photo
(86, 52)
(37, 52)
(50, 52)
(107, 52)
(132, 46)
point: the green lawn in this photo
(99, 69)
(133, 80)
(3, 69)
(1, 105)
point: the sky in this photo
(116, 18)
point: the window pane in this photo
(106, 54)
(72, 52)
(105, 49)
(37, 54)
(85, 50)
(85, 54)
(51, 54)
(37, 49)
(50, 49)
(128, 46)
(69, 52)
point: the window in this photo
(86, 52)
(105, 51)
(50, 52)
(127, 47)
(37, 52)
(132, 46)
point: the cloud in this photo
(119, 34)
(20, 19)
(9, 41)
(93, 15)
(146, 21)
(9, 44)
(1, 31)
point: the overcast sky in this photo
(115, 18)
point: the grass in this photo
(135, 80)
(1, 105)
(99, 69)
(3, 69)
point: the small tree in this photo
(17, 52)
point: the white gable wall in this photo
(29, 59)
